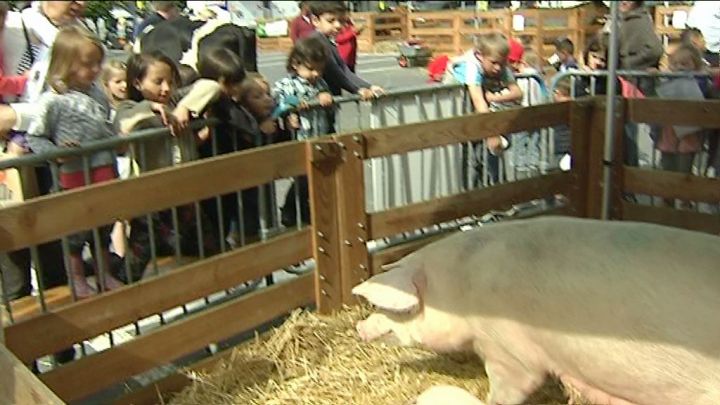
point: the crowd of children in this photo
(85, 100)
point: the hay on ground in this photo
(314, 359)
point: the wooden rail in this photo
(52, 217)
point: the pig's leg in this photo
(373, 327)
(510, 382)
(594, 395)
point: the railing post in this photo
(353, 223)
(580, 134)
(595, 164)
(617, 168)
(323, 158)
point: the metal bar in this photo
(35, 259)
(610, 113)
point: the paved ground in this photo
(380, 69)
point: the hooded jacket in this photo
(640, 47)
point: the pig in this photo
(621, 312)
(446, 394)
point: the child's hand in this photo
(293, 121)
(365, 94)
(325, 99)
(167, 118)
(182, 117)
(303, 105)
(268, 127)
(495, 145)
(377, 90)
(490, 97)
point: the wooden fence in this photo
(336, 240)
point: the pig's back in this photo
(624, 296)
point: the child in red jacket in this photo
(346, 40)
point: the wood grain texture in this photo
(51, 217)
(92, 317)
(406, 138)
(476, 202)
(90, 374)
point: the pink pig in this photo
(623, 312)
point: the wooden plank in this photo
(91, 317)
(352, 217)
(664, 184)
(580, 114)
(324, 157)
(594, 165)
(665, 112)
(19, 385)
(406, 138)
(395, 253)
(617, 169)
(693, 221)
(90, 374)
(28, 307)
(51, 217)
(427, 213)
(150, 394)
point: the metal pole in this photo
(611, 101)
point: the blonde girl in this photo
(113, 80)
(73, 112)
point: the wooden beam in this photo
(90, 374)
(664, 184)
(51, 217)
(352, 216)
(704, 114)
(28, 307)
(324, 157)
(693, 221)
(53, 331)
(392, 140)
(150, 394)
(595, 158)
(580, 131)
(427, 213)
(19, 385)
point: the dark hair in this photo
(318, 8)
(598, 44)
(188, 75)
(310, 52)
(137, 67)
(688, 33)
(565, 45)
(221, 63)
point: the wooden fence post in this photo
(595, 165)
(618, 162)
(580, 139)
(353, 222)
(323, 158)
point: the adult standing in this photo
(705, 16)
(301, 26)
(640, 49)
(162, 11)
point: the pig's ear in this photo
(395, 290)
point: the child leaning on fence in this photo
(678, 145)
(490, 83)
(74, 112)
(305, 84)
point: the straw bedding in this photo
(314, 359)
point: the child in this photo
(346, 40)
(113, 80)
(304, 84)
(490, 84)
(595, 56)
(305, 65)
(152, 79)
(233, 133)
(563, 57)
(677, 145)
(73, 112)
(326, 17)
